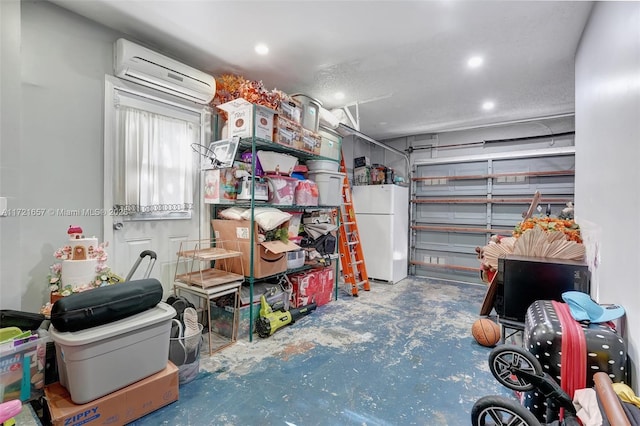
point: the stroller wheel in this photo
(496, 410)
(505, 360)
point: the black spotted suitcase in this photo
(588, 346)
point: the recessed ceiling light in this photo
(488, 105)
(261, 49)
(475, 61)
(339, 95)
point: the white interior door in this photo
(165, 222)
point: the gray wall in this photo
(10, 147)
(607, 157)
(55, 158)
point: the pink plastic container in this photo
(307, 193)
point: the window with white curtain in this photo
(154, 159)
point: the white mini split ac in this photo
(144, 66)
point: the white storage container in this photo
(310, 111)
(277, 163)
(100, 360)
(329, 187)
(331, 145)
(328, 165)
(295, 259)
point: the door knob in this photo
(118, 226)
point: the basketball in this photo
(486, 332)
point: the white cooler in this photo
(100, 360)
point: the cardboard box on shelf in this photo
(220, 186)
(240, 119)
(361, 162)
(120, 407)
(291, 110)
(287, 133)
(269, 258)
(311, 141)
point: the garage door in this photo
(458, 203)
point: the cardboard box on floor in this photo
(316, 285)
(120, 407)
(269, 258)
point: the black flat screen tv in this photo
(522, 280)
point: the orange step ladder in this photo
(354, 269)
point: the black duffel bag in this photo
(325, 244)
(103, 305)
(23, 320)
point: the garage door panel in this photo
(449, 187)
(451, 213)
(447, 274)
(438, 180)
(454, 169)
(550, 185)
(450, 241)
(443, 264)
(440, 257)
(511, 214)
(548, 163)
(491, 194)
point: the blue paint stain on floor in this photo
(399, 354)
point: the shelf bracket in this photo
(354, 121)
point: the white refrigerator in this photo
(382, 213)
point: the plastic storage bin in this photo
(22, 374)
(306, 193)
(331, 145)
(329, 187)
(295, 259)
(310, 111)
(100, 360)
(282, 189)
(323, 165)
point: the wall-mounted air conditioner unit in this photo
(144, 66)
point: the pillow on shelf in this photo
(268, 218)
(234, 213)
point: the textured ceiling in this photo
(403, 62)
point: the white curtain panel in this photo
(157, 161)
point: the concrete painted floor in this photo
(399, 354)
